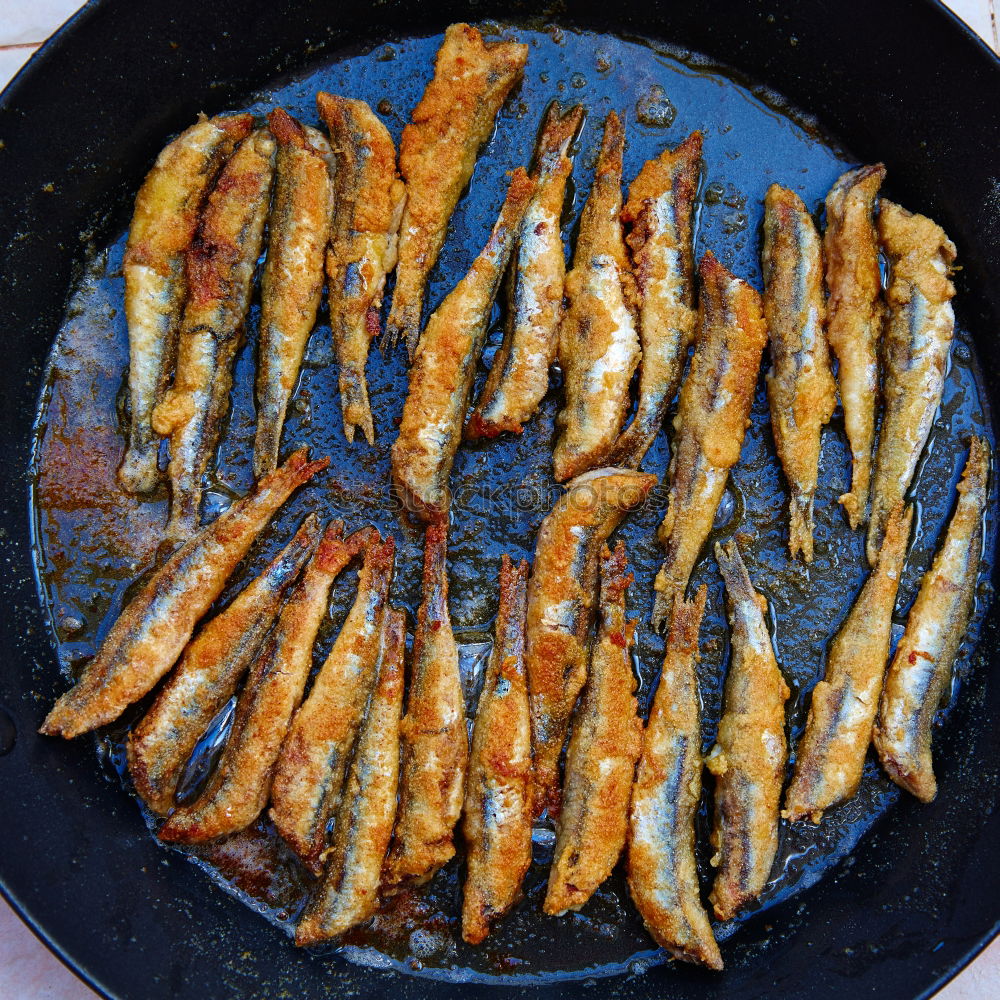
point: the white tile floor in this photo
(28, 971)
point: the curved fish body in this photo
(660, 212)
(207, 675)
(854, 318)
(348, 893)
(712, 417)
(437, 153)
(662, 871)
(153, 629)
(444, 367)
(831, 754)
(602, 754)
(918, 337)
(800, 386)
(750, 753)
(598, 338)
(363, 245)
(220, 269)
(920, 672)
(496, 818)
(292, 283)
(562, 594)
(241, 783)
(519, 375)
(313, 766)
(434, 735)
(167, 210)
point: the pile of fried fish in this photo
(368, 794)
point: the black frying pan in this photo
(899, 80)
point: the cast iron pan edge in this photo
(906, 82)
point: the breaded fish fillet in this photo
(155, 626)
(800, 387)
(167, 210)
(598, 338)
(437, 152)
(935, 629)
(363, 247)
(711, 421)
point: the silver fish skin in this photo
(220, 270)
(153, 629)
(751, 751)
(519, 375)
(855, 314)
(921, 667)
(208, 673)
(830, 756)
(800, 386)
(348, 893)
(444, 368)
(364, 241)
(292, 282)
(660, 214)
(497, 812)
(916, 348)
(167, 209)
(662, 870)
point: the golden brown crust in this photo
(497, 813)
(441, 378)
(602, 754)
(434, 735)
(662, 871)
(598, 340)
(831, 754)
(562, 593)
(800, 387)
(313, 765)
(712, 417)
(749, 757)
(155, 626)
(206, 677)
(854, 318)
(921, 668)
(437, 152)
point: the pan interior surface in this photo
(92, 542)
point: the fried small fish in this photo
(496, 818)
(292, 283)
(363, 247)
(310, 773)
(917, 343)
(434, 734)
(602, 754)
(348, 893)
(662, 871)
(712, 417)
(153, 629)
(660, 211)
(444, 367)
(562, 593)
(800, 386)
(750, 753)
(206, 677)
(921, 668)
(220, 269)
(831, 754)
(239, 787)
(519, 375)
(854, 318)
(598, 339)
(437, 152)
(167, 209)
